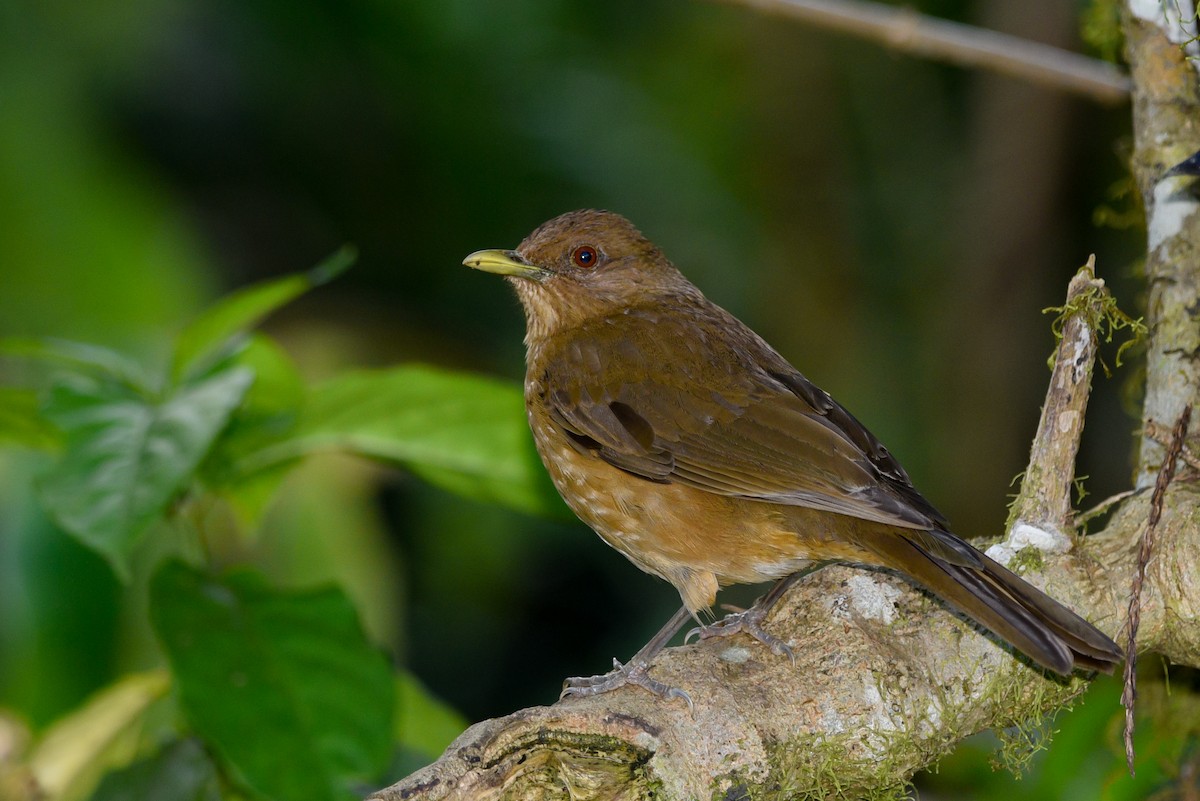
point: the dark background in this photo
(892, 226)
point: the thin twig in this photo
(1045, 497)
(1165, 473)
(965, 45)
(1083, 518)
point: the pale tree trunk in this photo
(886, 680)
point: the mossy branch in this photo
(886, 682)
(1166, 105)
(1043, 506)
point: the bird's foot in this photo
(632, 672)
(748, 621)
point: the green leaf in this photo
(424, 723)
(81, 357)
(76, 751)
(463, 432)
(22, 423)
(283, 685)
(127, 456)
(202, 341)
(181, 771)
(267, 415)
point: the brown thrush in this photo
(698, 452)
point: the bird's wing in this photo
(727, 423)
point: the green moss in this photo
(842, 766)
(1014, 497)
(1018, 745)
(875, 765)
(1099, 309)
(833, 767)
(1028, 559)
(1027, 703)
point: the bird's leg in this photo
(635, 670)
(749, 621)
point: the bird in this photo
(702, 455)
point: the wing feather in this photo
(737, 421)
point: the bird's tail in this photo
(1032, 622)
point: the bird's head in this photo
(582, 265)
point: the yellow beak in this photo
(504, 262)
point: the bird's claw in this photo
(748, 621)
(632, 672)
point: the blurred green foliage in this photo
(291, 672)
(282, 688)
(892, 226)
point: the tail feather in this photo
(1084, 638)
(1034, 623)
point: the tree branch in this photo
(1166, 106)
(964, 45)
(1042, 513)
(886, 681)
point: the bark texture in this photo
(1166, 128)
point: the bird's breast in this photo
(668, 529)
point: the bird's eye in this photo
(585, 256)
